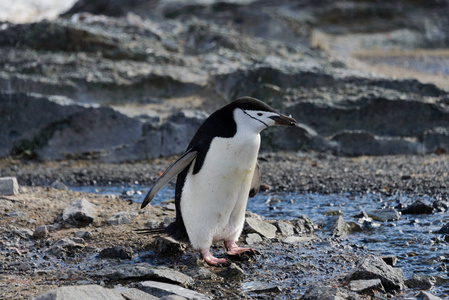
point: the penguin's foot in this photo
(234, 250)
(212, 260)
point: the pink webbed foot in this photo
(234, 250)
(212, 260)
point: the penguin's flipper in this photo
(255, 183)
(173, 170)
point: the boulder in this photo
(375, 268)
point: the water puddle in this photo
(412, 238)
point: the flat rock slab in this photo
(85, 292)
(160, 289)
(261, 227)
(9, 186)
(79, 213)
(144, 271)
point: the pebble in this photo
(233, 271)
(261, 227)
(304, 224)
(427, 296)
(160, 289)
(285, 228)
(40, 232)
(253, 238)
(416, 208)
(164, 245)
(422, 282)
(86, 235)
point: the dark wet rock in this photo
(203, 274)
(8, 185)
(143, 271)
(164, 245)
(160, 289)
(390, 260)
(285, 228)
(328, 293)
(81, 292)
(256, 225)
(361, 286)
(264, 289)
(427, 296)
(417, 208)
(79, 213)
(253, 238)
(123, 217)
(233, 271)
(304, 224)
(440, 205)
(444, 229)
(40, 232)
(354, 227)
(65, 247)
(24, 233)
(337, 226)
(384, 215)
(375, 268)
(118, 252)
(424, 282)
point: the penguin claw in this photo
(214, 261)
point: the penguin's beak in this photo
(284, 120)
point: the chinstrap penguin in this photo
(216, 174)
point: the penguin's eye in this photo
(260, 114)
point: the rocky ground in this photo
(46, 245)
(96, 96)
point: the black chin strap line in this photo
(255, 118)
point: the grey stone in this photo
(173, 297)
(164, 245)
(24, 233)
(87, 292)
(143, 271)
(444, 229)
(375, 268)
(117, 252)
(9, 186)
(390, 260)
(304, 224)
(416, 208)
(134, 294)
(203, 273)
(384, 215)
(123, 217)
(83, 234)
(59, 185)
(337, 226)
(40, 232)
(298, 239)
(64, 247)
(427, 296)
(261, 227)
(79, 213)
(233, 271)
(366, 285)
(436, 140)
(424, 282)
(16, 213)
(325, 293)
(160, 289)
(253, 238)
(285, 228)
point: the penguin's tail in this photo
(150, 231)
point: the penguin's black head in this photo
(254, 114)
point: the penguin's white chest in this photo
(213, 201)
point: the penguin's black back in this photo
(219, 124)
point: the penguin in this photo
(216, 175)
